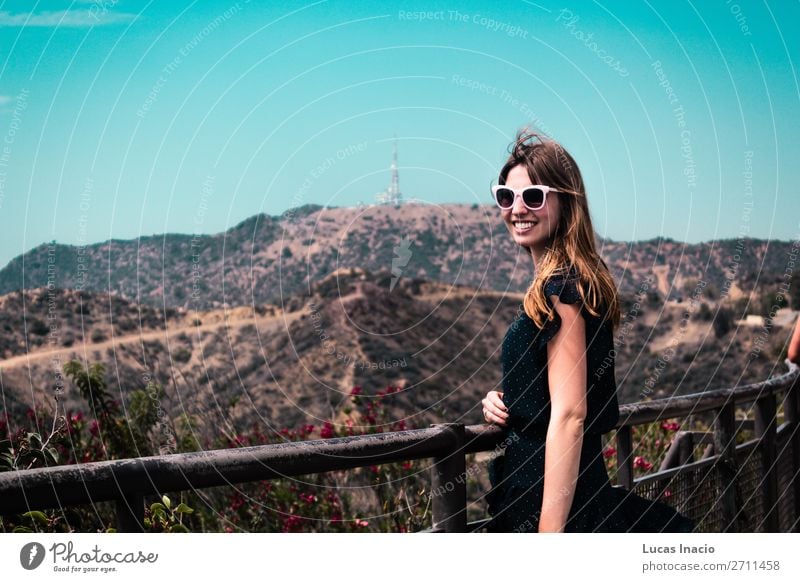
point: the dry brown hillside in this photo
(290, 366)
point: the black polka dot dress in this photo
(517, 477)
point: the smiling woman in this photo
(552, 477)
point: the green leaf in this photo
(166, 501)
(111, 530)
(183, 508)
(37, 516)
(157, 507)
(179, 528)
(21, 529)
(53, 454)
(6, 462)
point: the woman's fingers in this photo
(494, 409)
(496, 400)
(492, 418)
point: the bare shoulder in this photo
(567, 310)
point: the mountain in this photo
(267, 259)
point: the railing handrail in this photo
(64, 485)
(646, 411)
(125, 479)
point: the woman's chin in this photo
(524, 240)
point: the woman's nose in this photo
(518, 207)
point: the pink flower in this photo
(355, 391)
(670, 425)
(308, 498)
(361, 522)
(291, 523)
(642, 463)
(667, 493)
(327, 431)
(609, 452)
(237, 501)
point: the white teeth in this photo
(524, 225)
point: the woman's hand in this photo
(494, 411)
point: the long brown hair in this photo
(572, 244)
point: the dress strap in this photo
(565, 286)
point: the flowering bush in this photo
(388, 497)
(651, 442)
(70, 438)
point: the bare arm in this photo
(794, 344)
(566, 365)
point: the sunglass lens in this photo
(505, 197)
(533, 197)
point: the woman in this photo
(559, 392)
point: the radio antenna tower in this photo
(392, 195)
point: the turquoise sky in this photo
(128, 118)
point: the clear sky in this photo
(128, 118)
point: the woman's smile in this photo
(523, 226)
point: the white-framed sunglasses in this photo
(533, 197)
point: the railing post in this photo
(130, 513)
(680, 452)
(766, 431)
(725, 444)
(791, 415)
(625, 457)
(449, 484)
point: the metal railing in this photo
(753, 486)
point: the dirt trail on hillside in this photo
(35, 356)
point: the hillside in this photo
(267, 259)
(293, 365)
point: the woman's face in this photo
(530, 228)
